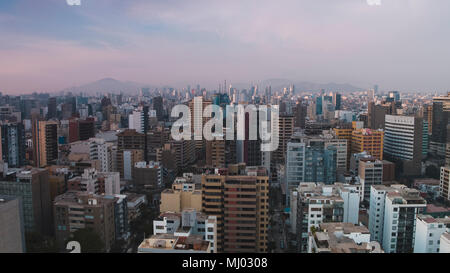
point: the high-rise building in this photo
(377, 113)
(313, 204)
(158, 107)
(392, 218)
(425, 140)
(239, 199)
(198, 121)
(367, 140)
(130, 149)
(427, 114)
(12, 149)
(401, 208)
(300, 113)
(370, 172)
(444, 186)
(286, 130)
(138, 120)
(31, 186)
(76, 210)
(11, 225)
(86, 128)
(100, 149)
(45, 142)
(337, 101)
(51, 105)
(439, 136)
(403, 141)
(215, 153)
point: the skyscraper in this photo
(45, 143)
(239, 199)
(31, 186)
(12, 149)
(51, 105)
(403, 141)
(439, 137)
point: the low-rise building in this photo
(170, 243)
(342, 238)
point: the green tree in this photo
(37, 243)
(432, 171)
(89, 240)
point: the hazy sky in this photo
(47, 45)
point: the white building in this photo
(376, 211)
(428, 233)
(92, 181)
(313, 204)
(189, 222)
(445, 243)
(400, 211)
(444, 186)
(101, 150)
(136, 119)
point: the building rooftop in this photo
(172, 242)
(336, 238)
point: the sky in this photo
(48, 45)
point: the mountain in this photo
(108, 85)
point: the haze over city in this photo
(47, 46)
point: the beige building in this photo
(238, 197)
(183, 195)
(45, 146)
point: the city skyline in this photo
(48, 46)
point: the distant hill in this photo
(108, 85)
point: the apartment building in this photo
(130, 149)
(75, 210)
(444, 185)
(31, 186)
(370, 172)
(184, 194)
(238, 196)
(400, 211)
(95, 182)
(368, 140)
(148, 175)
(428, 233)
